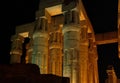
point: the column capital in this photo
(71, 27)
(17, 37)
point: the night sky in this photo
(7, 27)
(102, 14)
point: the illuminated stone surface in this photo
(29, 48)
(48, 55)
(92, 63)
(55, 45)
(111, 76)
(16, 50)
(119, 28)
(40, 45)
(63, 48)
(71, 32)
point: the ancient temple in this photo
(61, 42)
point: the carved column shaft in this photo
(29, 48)
(55, 53)
(119, 28)
(119, 40)
(40, 52)
(40, 45)
(83, 63)
(16, 50)
(90, 73)
(83, 55)
(93, 65)
(71, 55)
(55, 44)
(71, 32)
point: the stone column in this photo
(55, 53)
(119, 37)
(40, 45)
(83, 60)
(111, 75)
(119, 41)
(16, 50)
(119, 28)
(95, 64)
(90, 73)
(29, 51)
(71, 34)
(92, 62)
(55, 43)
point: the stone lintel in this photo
(106, 38)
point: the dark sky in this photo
(7, 28)
(25, 11)
(13, 14)
(102, 14)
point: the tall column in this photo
(40, 45)
(90, 73)
(71, 34)
(29, 51)
(119, 33)
(111, 75)
(92, 64)
(119, 28)
(55, 43)
(16, 50)
(119, 41)
(55, 53)
(83, 54)
(95, 64)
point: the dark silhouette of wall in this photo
(27, 73)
